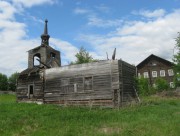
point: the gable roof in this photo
(42, 46)
(152, 56)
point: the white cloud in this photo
(103, 8)
(6, 10)
(30, 3)
(81, 11)
(98, 22)
(94, 20)
(138, 39)
(150, 14)
(67, 50)
(14, 42)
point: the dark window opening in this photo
(31, 89)
(53, 55)
(36, 58)
(88, 83)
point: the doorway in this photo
(30, 91)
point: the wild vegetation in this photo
(8, 83)
(144, 89)
(176, 59)
(83, 56)
(155, 116)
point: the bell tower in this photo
(44, 54)
(45, 37)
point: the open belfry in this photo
(107, 83)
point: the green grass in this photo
(153, 117)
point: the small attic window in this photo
(154, 64)
(53, 55)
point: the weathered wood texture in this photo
(127, 73)
(98, 83)
(24, 81)
(81, 84)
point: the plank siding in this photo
(23, 87)
(127, 75)
(91, 82)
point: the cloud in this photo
(98, 22)
(93, 18)
(103, 8)
(14, 43)
(150, 14)
(67, 50)
(81, 11)
(138, 39)
(30, 3)
(6, 10)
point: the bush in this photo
(161, 84)
(3, 82)
(142, 86)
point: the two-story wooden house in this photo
(153, 67)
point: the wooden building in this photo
(103, 83)
(30, 81)
(154, 67)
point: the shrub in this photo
(161, 84)
(142, 86)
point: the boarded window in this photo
(88, 83)
(64, 82)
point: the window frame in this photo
(162, 75)
(154, 73)
(146, 75)
(170, 72)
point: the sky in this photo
(136, 28)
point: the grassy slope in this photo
(154, 117)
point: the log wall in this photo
(24, 81)
(127, 73)
(91, 83)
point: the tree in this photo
(12, 81)
(83, 57)
(3, 82)
(176, 59)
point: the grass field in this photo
(155, 116)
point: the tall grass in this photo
(153, 117)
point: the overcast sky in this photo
(136, 28)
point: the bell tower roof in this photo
(45, 36)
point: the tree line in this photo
(8, 83)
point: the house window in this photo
(171, 84)
(139, 75)
(170, 72)
(88, 83)
(162, 73)
(154, 73)
(146, 75)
